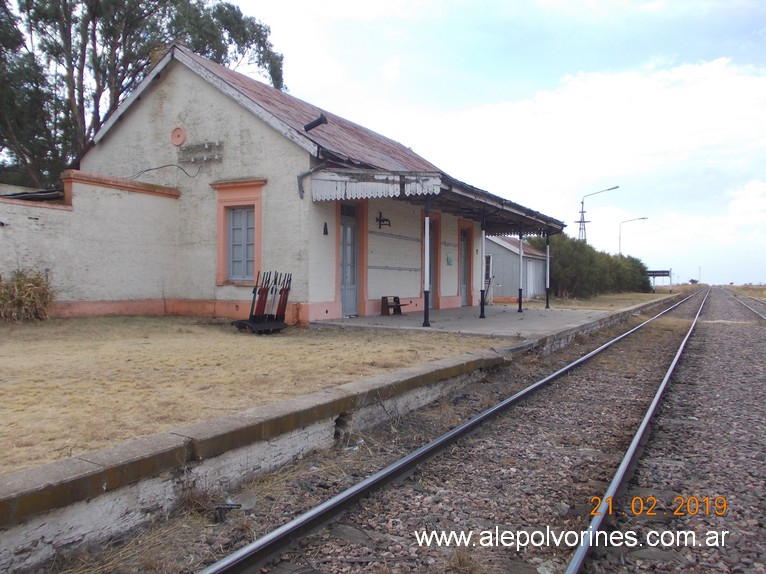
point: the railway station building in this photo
(205, 177)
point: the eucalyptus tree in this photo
(28, 147)
(65, 66)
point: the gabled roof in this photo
(341, 143)
(339, 138)
(348, 141)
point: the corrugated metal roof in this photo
(513, 243)
(342, 137)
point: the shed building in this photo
(504, 267)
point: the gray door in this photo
(531, 278)
(464, 258)
(348, 260)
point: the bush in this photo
(25, 296)
(578, 270)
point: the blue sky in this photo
(546, 101)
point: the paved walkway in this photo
(499, 321)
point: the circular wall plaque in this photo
(178, 136)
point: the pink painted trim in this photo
(451, 302)
(151, 308)
(435, 218)
(239, 193)
(467, 225)
(323, 310)
(296, 312)
(71, 176)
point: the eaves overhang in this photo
(352, 184)
(438, 192)
(499, 216)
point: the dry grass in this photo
(25, 296)
(74, 385)
(68, 386)
(757, 291)
(613, 301)
(462, 561)
(147, 551)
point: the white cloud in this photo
(685, 142)
(389, 71)
(600, 126)
(747, 206)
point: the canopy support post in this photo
(427, 266)
(547, 270)
(483, 291)
(521, 268)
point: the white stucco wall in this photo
(449, 261)
(124, 245)
(32, 237)
(109, 245)
(395, 252)
(321, 248)
(249, 150)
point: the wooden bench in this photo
(390, 304)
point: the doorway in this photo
(433, 268)
(465, 267)
(349, 260)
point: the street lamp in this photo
(620, 235)
(582, 221)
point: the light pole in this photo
(582, 221)
(619, 239)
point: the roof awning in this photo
(363, 184)
(443, 193)
(499, 215)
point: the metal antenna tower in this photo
(582, 222)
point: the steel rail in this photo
(627, 461)
(741, 302)
(249, 559)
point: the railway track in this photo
(697, 492)
(757, 306)
(539, 467)
(532, 477)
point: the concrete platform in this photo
(498, 321)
